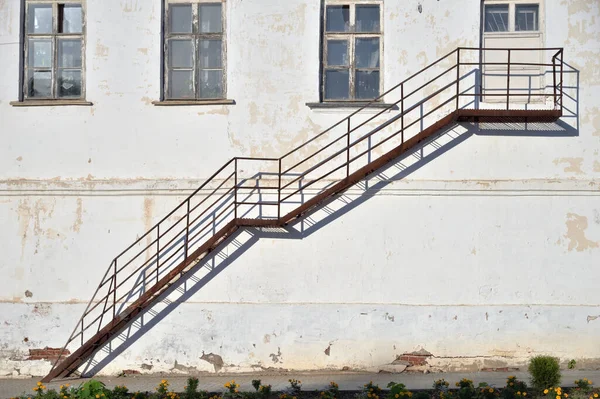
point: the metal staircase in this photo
(274, 192)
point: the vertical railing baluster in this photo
(554, 81)
(402, 111)
(157, 251)
(82, 330)
(115, 291)
(508, 82)
(457, 78)
(235, 177)
(348, 150)
(187, 229)
(279, 193)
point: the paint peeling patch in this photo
(215, 360)
(184, 369)
(47, 353)
(101, 50)
(19, 159)
(576, 226)
(276, 358)
(389, 317)
(42, 309)
(328, 350)
(28, 294)
(266, 339)
(596, 166)
(592, 318)
(143, 51)
(573, 165)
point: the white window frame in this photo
(195, 36)
(351, 36)
(512, 7)
(54, 37)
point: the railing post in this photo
(348, 150)
(561, 77)
(279, 193)
(187, 229)
(554, 81)
(402, 111)
(457, 78)
(115, 291)
(157, 251)
(235, 177)
(508, 82)
(82, 330)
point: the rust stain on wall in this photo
(573, 165)
(78, 216)
(101, 50)
(576, 227)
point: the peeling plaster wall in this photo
(483, 256)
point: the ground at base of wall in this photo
(347, 381)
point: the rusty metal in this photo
(218, 198)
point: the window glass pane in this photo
(70, 18)
(40, 18)
(338, 18)
(367, 18)
(210, 18)
(69, 84)
(526, 17)
(39, 84)
(367, 84)
(40, 53)
(211, 84)
(337, 85)
(181, 54)
(367, 53)
(210, 54)
(337, 52)
(496, 18)
(181, 84)
(69, 53)
(180, 18)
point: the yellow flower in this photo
(97, 396)
(557, 396)
(545, 391)
(511, 384)
(566, 395)
(369, 395)
(397, 396)
(524, 393)
(595, 395)
(519, 393)
(491, 390)
(39, 384)
(236, 391)
(35, 389)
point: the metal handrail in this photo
(156, 254)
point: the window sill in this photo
(168, 103)
(50, 103)
(349, 104)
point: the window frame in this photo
(55, 37)
(512, 17)
(195, 36)
(350, 37)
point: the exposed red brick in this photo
(414, 360)
(46, 353)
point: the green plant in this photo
(466, 389)
(332, 391)
(398, 391)
(584, 385)
(572, 364)
(191, 389)
(92, 389)
(256, 384)
(487, 392)
(370, 391)
(232, 390)
(295, 386)
(120, 392)
(440, 389)
(264, 391)
(421, 395)
(515, 389)
(545, 372)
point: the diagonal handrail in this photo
(196, 224)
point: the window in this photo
(194, 51)
(527, 17)
(511, 17)
(54, 56)
(352, 52)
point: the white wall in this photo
(484, 255)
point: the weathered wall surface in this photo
(484, 254)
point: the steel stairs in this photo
(279, 191)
